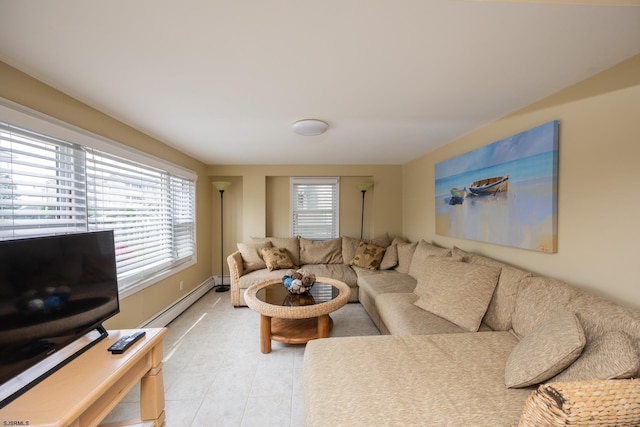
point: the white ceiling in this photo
(224, 80)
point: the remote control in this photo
(124, 343)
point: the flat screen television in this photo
(55, 292)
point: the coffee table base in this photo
(292, 331)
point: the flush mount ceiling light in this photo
(310, 127)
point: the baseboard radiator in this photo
(164, 317)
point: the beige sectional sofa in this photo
(475, 366)
(467, 340)
(330, 258)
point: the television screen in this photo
(53, 291)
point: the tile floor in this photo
(215, 375)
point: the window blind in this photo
(50, 186)
(314, 208)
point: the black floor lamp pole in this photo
(362, 219)
(363, 186)
(221, 186)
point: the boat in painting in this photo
(457, 192)
(489, 186)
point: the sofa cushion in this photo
(401, 316)
(405, 254)
(321, 251)
(457, 291)
(276, 258)
(428, 380)
(341, 272)
(610, 356)
(251, 256)
(545, 351)
(500, 310)
(349, 246)
(291, 244)
(424, 250)
(390, 258)
(538, 299)
(368, 256)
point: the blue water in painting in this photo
(524, 216)
(520, 170)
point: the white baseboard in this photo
(164, 317)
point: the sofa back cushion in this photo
(539, 299)
(612, 355)
(321, 251)
(405, 255)
(502, 303)
(456, 291)
(291, 244)
(349, 247)
(424, 250)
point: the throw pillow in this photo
(276, 258)
(291, 244)
(456, 291)
(251, 257)
(610, 356)
(321, 251)
(547, 350)
(390, 258)
(405, 254)
(368, 256)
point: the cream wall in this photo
(135, 309)
(598, 178)
(257, 204)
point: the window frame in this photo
(25, 118)
(306, 181)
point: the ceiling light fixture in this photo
(310, 127)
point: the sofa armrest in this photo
(584, 403)
(236, 269)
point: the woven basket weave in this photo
(584, 403)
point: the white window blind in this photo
(314, 207)
(49, 186)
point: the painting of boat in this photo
(489, 186)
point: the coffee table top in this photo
(272, 299)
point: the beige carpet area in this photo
(215, 375)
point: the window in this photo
(314, 208)
(53, 186)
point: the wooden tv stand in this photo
(83, 392)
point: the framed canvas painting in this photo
(503, 193)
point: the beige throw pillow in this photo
(251, 257)
(276, 258)
(610, 356)
(291, 244)
(456, 291)
(390, 258)
(547, 350)
(368, 256)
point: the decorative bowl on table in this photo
(298, 281)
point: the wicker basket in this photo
(584, 403)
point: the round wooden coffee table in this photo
(295, 319)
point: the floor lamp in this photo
(221, 186)
(364, 187)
